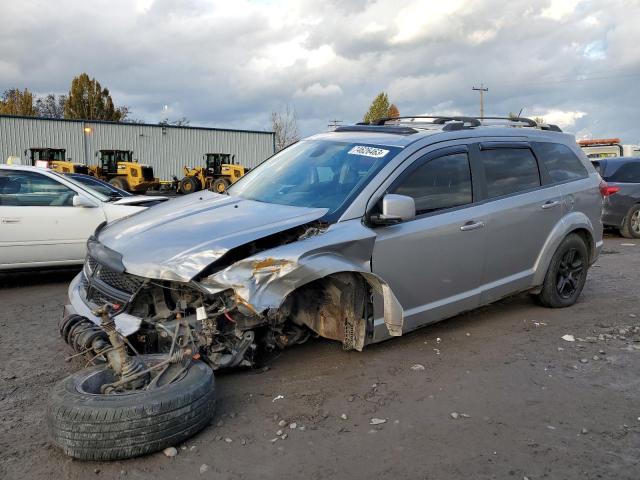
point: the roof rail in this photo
(364, 127)
(436, 120)
(467, 122)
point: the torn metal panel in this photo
(263, 281)
(178, 239)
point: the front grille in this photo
(121, 281)
(147, 173)
(105, 285)
(98, 298)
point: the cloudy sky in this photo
(230, 63)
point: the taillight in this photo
(606, 190)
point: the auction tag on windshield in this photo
(368, 151)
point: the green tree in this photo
(87, 100)
(381, 108)
(15, 102)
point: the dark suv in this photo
(622, 203)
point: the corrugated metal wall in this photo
(167, 149)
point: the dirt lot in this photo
(529, 404)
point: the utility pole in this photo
(481, 89)
(333, 124)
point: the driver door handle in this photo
(550, 204)
(9, 220)
(471, 225)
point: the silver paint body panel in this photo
(421, 271)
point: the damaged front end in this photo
(269, 294)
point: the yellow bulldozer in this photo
(219, 171)
(54, 159)
(119, 169)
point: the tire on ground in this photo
(220, 185)
(111, 427)
(189, 185)
(627, 229)
(549, 295)
(120, 183)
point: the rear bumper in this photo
(125, 324)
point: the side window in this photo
(443, 182)
(626, 173)
(30, 189)
(561, 163)
(509, 170)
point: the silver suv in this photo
(356, 235)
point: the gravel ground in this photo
(528, 403)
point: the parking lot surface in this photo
(495, 393)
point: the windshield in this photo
(102, 187)
(89, 190)
(314, 173)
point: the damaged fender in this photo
(263, 281)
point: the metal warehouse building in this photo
(166, 148)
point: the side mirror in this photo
(395, 209)
(80, 201)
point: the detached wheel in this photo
(566, 275)
(220, 185)
(631, 227)
(120, 183)
(188, 185)
(89, 425)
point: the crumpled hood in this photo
(177, 239)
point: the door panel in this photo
(520, 215)
(432, 265)
(434, 262)
(517, 229)
(38, 223)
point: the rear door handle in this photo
(471, 225)
(9, 220)
(550, 204)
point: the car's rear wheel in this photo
(631, 227)
(90, 425)
(567, 273)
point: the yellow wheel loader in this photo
(54, 159)
(119, 169)
(219, 172)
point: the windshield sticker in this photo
(368, 151)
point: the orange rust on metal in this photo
(269, 263)
(598, 141)
(242, 301)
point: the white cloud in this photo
(559, 9)
(422, 18)
(564, 119)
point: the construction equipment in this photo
(608, 147)
(219, 172)
(119, 169)
(54, 159)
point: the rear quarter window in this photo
(561, 163)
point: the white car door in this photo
(39, 224)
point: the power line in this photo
(333, 124)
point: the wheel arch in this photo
(574, 222)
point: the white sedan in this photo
(46, 218)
